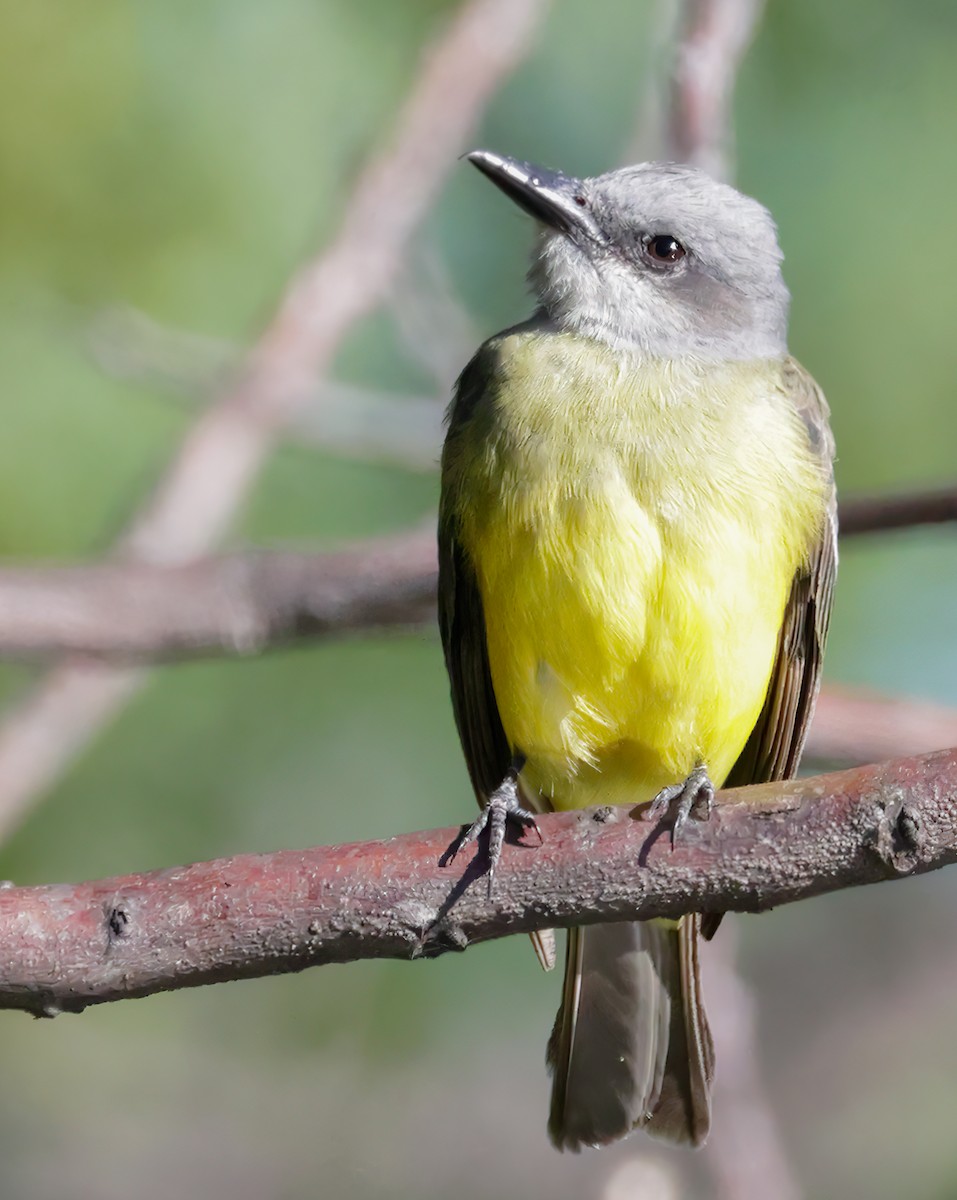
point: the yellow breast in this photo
(635, 526)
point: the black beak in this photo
(558, 201)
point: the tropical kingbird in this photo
(637, 555)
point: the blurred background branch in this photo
(859, 726)
(243, 603)
(65, 947)
(232, 604)
(745, 1155)
(361, 423)
(715, 37)
(903, 510)
(223, 452)
(251, 601)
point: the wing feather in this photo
(773, 751)
(461, 616)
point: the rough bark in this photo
(67, 946)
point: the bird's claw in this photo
(694, 795)
(502, 806)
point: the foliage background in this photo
(182, 158)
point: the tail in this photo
(631, 1044)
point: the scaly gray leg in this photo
(502, 806)
(696, 792)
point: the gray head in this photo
(658, 257)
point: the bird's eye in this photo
(664, 249)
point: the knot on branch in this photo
(899, 838)
(439, 938)
(117, 923)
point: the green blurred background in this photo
(182, 159)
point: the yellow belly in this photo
(634, 540)
(618, 667)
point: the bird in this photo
(637, 555)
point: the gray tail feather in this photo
(631, 1045)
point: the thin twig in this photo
(129, 344)
(745, 1153)
(67, 946)
(716, 35)
(232, 604)
(220, 458)
(258, 599)
(345, 419)
(436, 328)
(904, 510)
(856, 726)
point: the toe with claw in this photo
(502, 806)
(694, 795)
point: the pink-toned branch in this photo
(231, 604)
(223, 452)
(745, 1154)
(243, 603)
(221, 455)
(67, 946)
(715, 37)
(854, 725)
(257, 599)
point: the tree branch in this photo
(745, 1153)
(342, 285)
(219, 459)
(232, 604)
(905, 510)
(142, 612)
(714, 39)
(344, 419)
(852, 725)
(246, 603)
(65, 947)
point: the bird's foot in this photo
(501, 807)
(694, 796)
